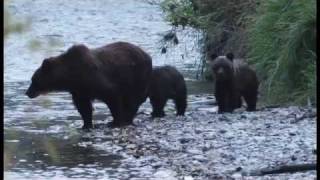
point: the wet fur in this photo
(167, 83)
(235, 81)
(117, 74)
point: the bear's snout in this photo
(31, 94)
(220, 71)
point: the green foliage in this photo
(277, 36)
(283, 48)
(11, 26)
(180, 12)
(222, 22)
(207, 14)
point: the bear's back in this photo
(167, 78)
(245, 75)
(121, 53)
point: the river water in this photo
(42, 136)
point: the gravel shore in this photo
(207, 145)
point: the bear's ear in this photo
(46, 65)
(213, 56)
(230, 56)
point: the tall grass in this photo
(283, 47)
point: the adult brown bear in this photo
(233, 79)
(118, 74)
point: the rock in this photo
(243, 116)
(185, 140)
(187, 178)
(197, 131)
(165, 174)
(237, 176)
(293, 158)
(194, 151)
(200, 158)
(222, 131)
(292, 133)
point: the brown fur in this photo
(117, 74)
(234, 79)
(167, 83)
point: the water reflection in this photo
(44, 152)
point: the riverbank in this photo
(201, 145)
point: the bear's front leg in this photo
(158, 104)
(220, 101)
(221, 105)
(117, 109)
(228, 104)
(84, 107)
(237, 102)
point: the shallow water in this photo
(42, 137)
(94, 23)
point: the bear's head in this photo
(222, 66)
(61, 72)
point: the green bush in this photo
(11, 26)
(223, 24)
(283, 47)
(277, 36)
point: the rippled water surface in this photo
(43, 136)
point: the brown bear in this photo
(118, 74)
(167, 83)
(233, 79)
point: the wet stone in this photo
(222, 131)
(243, 116)
(238, 169)
(292, 134)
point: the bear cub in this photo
(167, 83)
(233, 79)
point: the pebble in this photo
(188, 178)
(164, 174)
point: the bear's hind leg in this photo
(157, 106)
(118, 113)
(131, 108)
(237, 101)
(181, 104)
(84, 107)
(251, 100)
